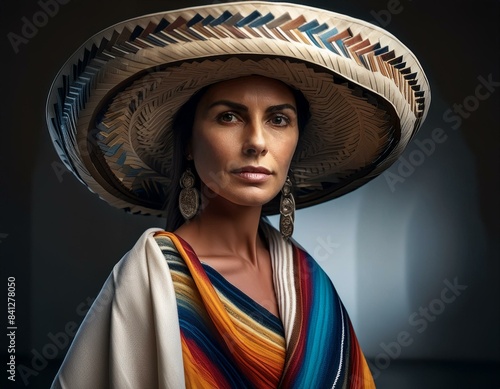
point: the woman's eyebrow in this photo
(244, 108)
(281, 107)
(230, 104)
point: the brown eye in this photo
(228, 117)
(280, 120)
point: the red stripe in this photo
(210, 375)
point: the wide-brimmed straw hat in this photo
(111, 105)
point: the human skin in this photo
(239, 125)
(250, 121)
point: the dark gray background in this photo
(390, 251)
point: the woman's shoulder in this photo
(166, 241)
(164, 238)
(147, 249)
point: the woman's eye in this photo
(280, 120)
(228, 117)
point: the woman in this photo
(214, 117)
(246, 130)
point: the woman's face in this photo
(244, 135)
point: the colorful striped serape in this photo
(230, 341)
(153, 326)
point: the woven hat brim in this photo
(115, 135)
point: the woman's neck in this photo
(223, 229)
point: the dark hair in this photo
(182, 129)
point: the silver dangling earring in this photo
(287, 209)
(189, 200)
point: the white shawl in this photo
(130, 337)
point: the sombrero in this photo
(110, 107)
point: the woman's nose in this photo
(255, 140)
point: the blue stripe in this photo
(248, 19)
(324, 38)
(323, 334)
(261, 21)
(194, 327)
(250, 307)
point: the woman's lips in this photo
(253, 173)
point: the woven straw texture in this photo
(110, 107)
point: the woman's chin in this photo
(244, 200)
